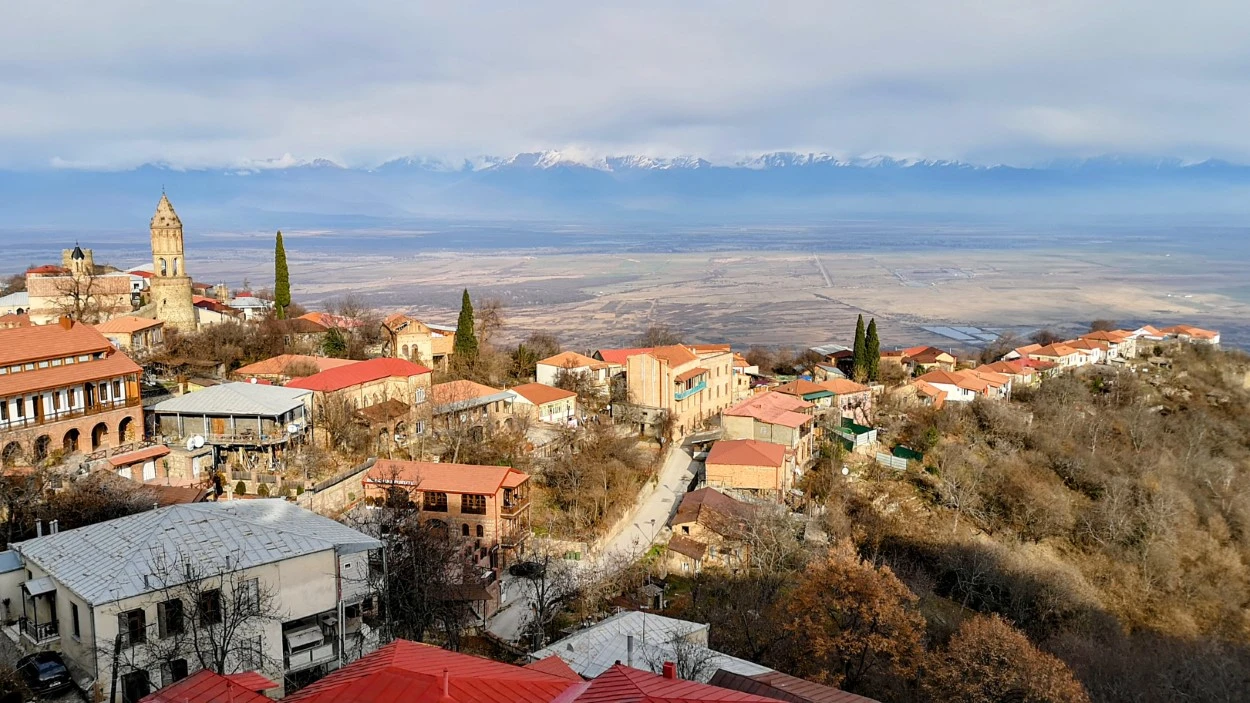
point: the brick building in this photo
(64, 388)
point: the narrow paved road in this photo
(631, 538)
(636, 535)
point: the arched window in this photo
(481, 532)
(405, 351)
(464, 530)
(175, 266)
(164, 271)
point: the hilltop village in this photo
(217, 495)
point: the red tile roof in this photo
(13, 320)
(341, 377)
(141, 455)
(773, 408)
(746, 452)
(278, 365)
(206, 686)
(620, 356)
(410, 672)
(252, 680)
(675, 354)
(49, 342)
(445, 478)
(117, 364)
(843, 386)
(692, 548)
(127, 324)
(48, 269)
(541, 394)
(460, 391)
(623, 684)
(784, 687)
(711, 508)
(1055, 350)
(556, 667)
(800, 387)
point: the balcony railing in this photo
(305, 658)
(40, 633)
(682, 395)
(248, 438)
(69, 414)
(511, 508)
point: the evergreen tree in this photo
(859, 353)
(281, 279)
(333, 344)
(872, 346)
(466, 337)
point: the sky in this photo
(111, 85)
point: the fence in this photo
(893, 462)
(338, 492)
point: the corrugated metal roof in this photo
(9, 561)
(625, 684)
(108, 561)
(206, 686)
(236, 399)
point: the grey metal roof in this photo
(40, 586)
(827, 349)
(235, 399)
(594, 650)
(108, 561)
(468, 403)
(18, 299)
(9, 561)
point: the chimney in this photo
(629, 650)
(66, 322)
(446, 684)
(670, 670)
(54, 527)
(39, 528)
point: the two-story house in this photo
(488, 506)
(777, 418)
(715, 526)
(599, 372)
(408, 338)
(284, 367)
(396, 389)
(65, 389)
(545, 403)
(146, 599)
(137, 336)
(251, 417)
(752, 465)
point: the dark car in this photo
(527, 569)
(45, 673)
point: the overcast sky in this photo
(232, 82)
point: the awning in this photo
(304, 637)
(692, 373)
(139, 456)
(39, 586)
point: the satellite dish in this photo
(292, 428)
(845, 471)
(199, 441)
(252, 379)
(190, 443)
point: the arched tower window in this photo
(164, 271)
(175, 266)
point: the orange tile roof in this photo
(773, 408)
(1086, 344)
(1190, 330)
(692, 373)
(278, 365)
(336, 379)
(411, 672)
(445, 478)
(740, 361)
(1015, 367)
(843, 386)
(1027, 349)
(325, 319)
(49, 342)
(620, 356)
(675, 354)
(925, 355)
(746, 452)
(541, 394)
(573, 360)
(708, 348)
(1056, 350)
(127, 324)
(938, 395)
(459, 391)
(800, 387)
(141, 455)
(1112, 336)
(112, 366)
(12, 320)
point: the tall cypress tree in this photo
(859, 353)
(281, 279)
(466, 338)
(873, 349)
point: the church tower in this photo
(170, 286)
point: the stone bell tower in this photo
(170, 286)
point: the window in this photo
(4, 409)
(43, 364)
(169, 617)
(135, 686)
(420, 426)
(208, 609)
(117, 389)
(420, 395)
(249, 596)
(473, 504)
(464, 530)
(173, 671)
(252, 653)
(134, 624)
(685, 529)
(481, 532)
(19, 407)
(436, 502)
(73, 613)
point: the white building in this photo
(155, 586)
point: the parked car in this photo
(45, 673)
(527, 569)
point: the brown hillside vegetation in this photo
(1105, 514)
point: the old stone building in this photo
(77, 288)
(171, 286)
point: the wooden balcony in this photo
(40, 632)
(514, 507)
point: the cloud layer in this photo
(237, 82)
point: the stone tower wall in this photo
(170, 283)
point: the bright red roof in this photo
(556, 667)
(623, 684)
(206, 686)
(620, 356)
(445, 478)
(252, 680)
(337, 379)
(410, 672)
